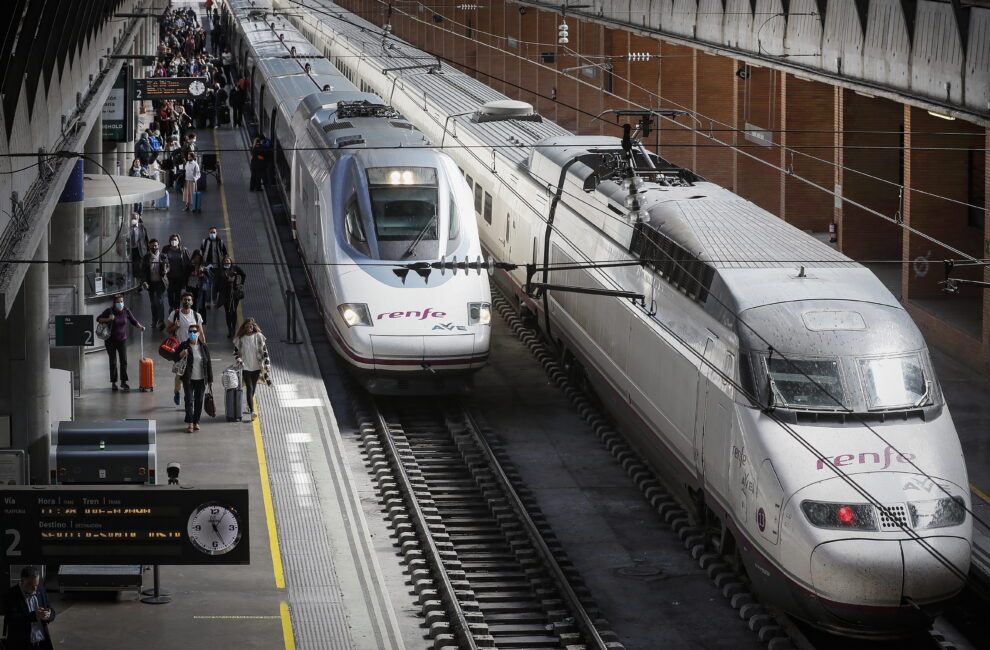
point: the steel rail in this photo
(581, 616)
(432, 553)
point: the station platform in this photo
(311, 554)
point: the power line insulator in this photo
(640, 56)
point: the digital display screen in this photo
(134, 524)
(168, 87)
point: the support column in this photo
(94, 148)
(109, 149)
(67, 243)
(30, 419)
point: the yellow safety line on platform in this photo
(978, 493)
(266, 490)
(287, 636)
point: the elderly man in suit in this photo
(27, 613)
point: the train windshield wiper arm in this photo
(419, 237)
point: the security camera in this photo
(743, 72)
(172, 469)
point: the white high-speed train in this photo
(752, 367)
(372, 206)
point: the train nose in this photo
(879, 582)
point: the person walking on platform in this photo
(179, 265)
(192, 176)
(178, 326)
(227, 61)
(116, 344)
(251, 353)
(137, 239)
(154, 275)
(138, 170)
(197, 376)
(258, 164)
(214, 250)
(198, 282)
(237, 95)
(27, 613)
(219, 105)
(230, 285)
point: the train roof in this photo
(454, 91)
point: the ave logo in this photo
(450, 327)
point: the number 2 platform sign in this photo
(135, 524)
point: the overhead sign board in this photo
(166, 525)
(169, 88)
(74, 330)
(118, 112)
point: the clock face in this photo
(214, 529)
(197, 88)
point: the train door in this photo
(701, 410)
(718, 427)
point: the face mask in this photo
(174, 242)
(154, 249)
(118, 306)
(187, 305)
(213, 235)
(193, 336)
(226, 266)
(133, 222)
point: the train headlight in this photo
(479, 313)
(355, 314)
(840, 516)
(937, 513)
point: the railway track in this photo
(484, 565)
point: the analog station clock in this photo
(214, 528)
(197, 88)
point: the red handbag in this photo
(169, 349)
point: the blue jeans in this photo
(194, 390)
(156, 292)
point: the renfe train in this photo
(777, 385)
(368, 200)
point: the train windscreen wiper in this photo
(419, 237)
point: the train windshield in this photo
(894, 382)
(805, 383)
(405, 211)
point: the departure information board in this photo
(138, 524)
(169, 88)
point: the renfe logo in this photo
(867, 458)
(418, 315)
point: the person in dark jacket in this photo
(258, 164)
(214, 249)
(230, 291)
(219, 103)
(197, 375)
(179, 267)
(154, 278)
(137, 241)
(237, 96)
(118, 318)
(27, 613)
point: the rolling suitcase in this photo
(197, 204)
(233, 404)
(225, 115)
(147, 370)
(162, 203)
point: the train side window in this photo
(728, 368)
(470, 181)
(355, 231)
(488, 208)
(455, 224)
(478, 192)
